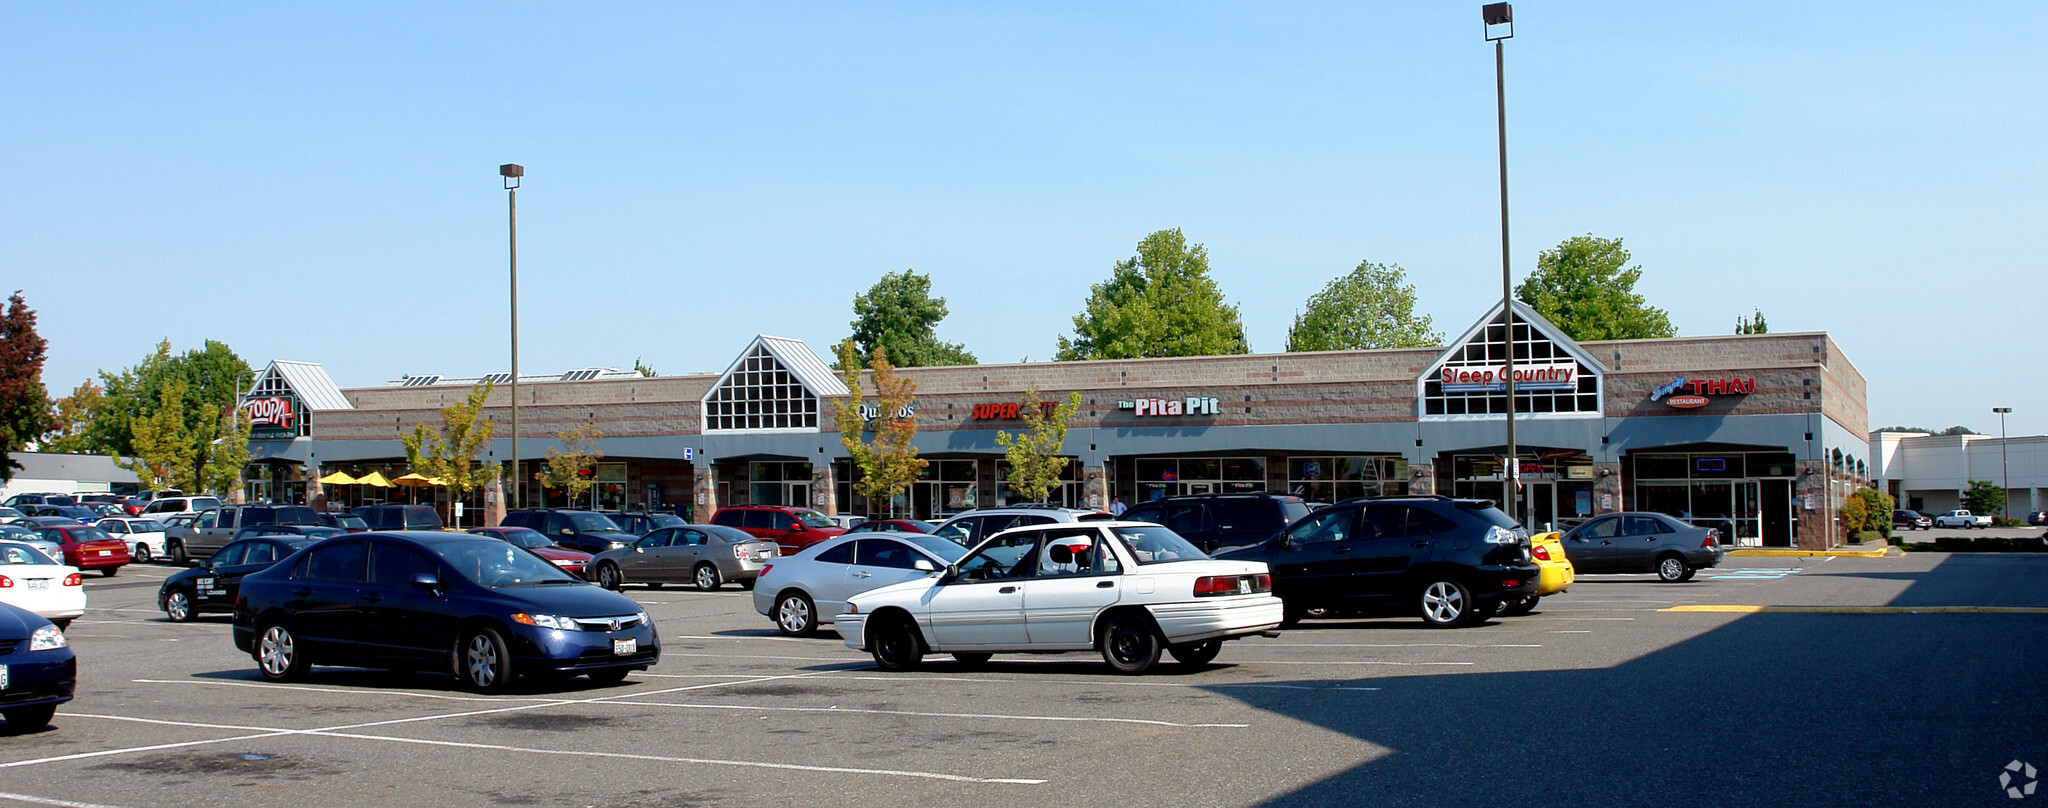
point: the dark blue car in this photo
(37, 670)
(475, 606)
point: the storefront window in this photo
(1487, 351)
(1747, 496)
(1337, 478)
(776, 482)
(1066, 494)
(1175, 476)
(946, 487)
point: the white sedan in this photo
(801, 591)
(145, 537)
(33, 581)
(1129, 590)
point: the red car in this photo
(571, 561)
(791, 528)
(893, 526)
(88, 548)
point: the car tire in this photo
(896, 645)
(1519, 605)
(1672, 569)
(610, 676)
(1129, 643)
(1196, 654)
(795, 614)
(971, 660)
(654, 584)
(1689, 573)
(1290, 614)
(22, 720)
(707, 578)
(109, 572)
(178, 606)
(747, 584)
(1449, 604)
(62, 624)
(140, 554)
(608, 576)
(483, 661)
(176, 550)
(278, 655)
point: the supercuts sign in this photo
(272, 416)
(1686, 394)
(1009, 409)
(1477, 378)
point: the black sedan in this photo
(39, 674)
(315, 532)
(1642, 542)
(211, 586)
(477, 607)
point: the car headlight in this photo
(47, 638)
(645, 620)
(546, 621)
(617, 544)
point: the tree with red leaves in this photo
(24, 404)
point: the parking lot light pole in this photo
(2005, 473)
(513, 172)
(1500, 26)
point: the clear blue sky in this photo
(320, 183)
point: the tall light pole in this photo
(2005, 484)
(513, 172)
(1500, 26)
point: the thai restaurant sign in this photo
(1687, 394)
(1482, 378)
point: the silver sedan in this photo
(812, 586)
(705, 555)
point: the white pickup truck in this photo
(1961, 518)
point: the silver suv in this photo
(970, 527)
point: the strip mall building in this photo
(1760, 435)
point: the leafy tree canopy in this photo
(1160, 302)
(1984, 496)
(1034, 452)
(1754, 324)
(24, 404)
(1585, 287)
(1372, 307)
(899, 314)
(888, 463)
(1954, 430)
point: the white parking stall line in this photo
(843, 659)
(1753, 574)
(35, 800)
(1349, 662)
(772, 637)
(1570, 631)
(134, 749)
(920, 714)
(1389, 645)
(1553, 617)
(1064, 681)
(312, 689)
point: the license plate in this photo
(3, 677)
(204, 583)
(106, 552)
(624, 647)
(39, 584)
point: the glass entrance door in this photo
(1539, 506)
(1748, 513)
(1713, 505)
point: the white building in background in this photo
(1928, 473)
(51, 473)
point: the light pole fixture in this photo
(1500, 26)
(513, 172)
(2004, 472)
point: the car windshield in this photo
(350, 520)
(496, 564)
(90, 534)
(12, 553)
(729, 535)
(524, 537)
(666, 520)
(816, 519)
(1154, 544)
(593, 523)
(947, 550)
(146, 526)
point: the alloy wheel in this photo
(178, 607)
(795, 614)
(483, 661)
(707, 578)
(1443, 601)
(277, 650)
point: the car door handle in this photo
(302, 592)
(1006, 590)
(1419, 543)
(863, 575)
(373, 598)
(1105, 585)
(1339, 550)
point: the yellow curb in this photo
(1735, 609)
(1878, 553)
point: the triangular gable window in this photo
(275, 410)
(1554, 378)
(760, 393)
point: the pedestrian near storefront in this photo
(1117, 506)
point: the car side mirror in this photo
(568, 531)
(923, 565)
(950, 574)
(639, 549)
(427, 581)
(798, 527)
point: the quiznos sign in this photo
(1548, 376)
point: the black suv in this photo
(398, 517)
(641, 524)
(1211, 521)
(1450, 560)
(216, 528)
(589, 531)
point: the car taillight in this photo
(74, 579)
(1542, 552)
(1712, 540)
(765, 568)
(6, 582)
(1216, 585)
(739, 551)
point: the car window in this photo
(1328, 526)
(693, 538)
(1643, 526)
(496, 564)
(229, 555)
(762, 520)
(659, 538)
(729, 535)
(89, 534)
(392, 565)
(841, 554)
(1078, 551)
(557, 523)
(421, 517)
(258, 516)
(815, 519)
(1142, 513)
(729, 518)
(201, 504)
(958, 530)
(146, 526)
(1601, 528)
(1184, 517)
(1157, 545)
(112, 526)
(991, 525)
(22, 554)
(206, 519)
(228, 516)
(1404, 521)
(342, 561)
(1001, 558)
(885, 553)
(260, 552)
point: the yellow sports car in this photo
(1557, 575)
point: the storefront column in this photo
(1816, 514)
(824, 489)
(1095, 487)
(1422, 478)
(1608, 496)
(316, 494)
(494, 502)
(705, 497)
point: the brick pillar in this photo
(704, 502)
(1423, 484)
(1095, 487)
(825, 489)
(316, 495)
(1608, 496)
(1814, 512)
(494, 502)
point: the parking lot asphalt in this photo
(1607, 695)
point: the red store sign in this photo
(1698, 390)
(1009, 409)
(273, 411)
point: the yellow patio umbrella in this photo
(373, 479)
(416, 480)
(338, 478)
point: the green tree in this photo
(1034, 452)
(1754, 324)
(212, 380)
(1984, 497)
(1954, 430)
(900, 314)
(569, 465)
(450, 453)
(24, 404)
(1160, 302)
(228, 455)
(1877, 509)
(889, 463)
(1372, 307)
(1585, 287)
(643, 368)
(162, 448)
(70, 429)
(1855, 515)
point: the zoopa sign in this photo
(1687, 394)
(272, 416)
